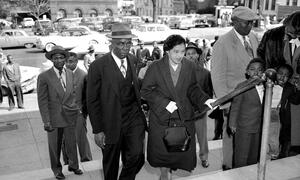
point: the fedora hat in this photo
(194, 46)
(57, 50)
(121, 30)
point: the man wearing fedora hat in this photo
(57, 105)
(114, 107)
(142, 54)
(231, 54)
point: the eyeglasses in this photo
(124, 43)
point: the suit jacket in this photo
(158, 90)
(229, 61)
(56, 105)
(79, 77)
(246, 111)
(103, 96)
(289, 96)
(12, 76)
(275, 49)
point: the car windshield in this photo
(141, 28)
(151, 29)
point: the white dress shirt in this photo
(61, 77)
(118, 60)
(261, 91)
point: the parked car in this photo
(28, 79)
(202, 22)
(65, 23)
(43, 27)
(174, 21)
(16, 38)
(150, 32)
(70, 38)
(27, 22)
(95, 26)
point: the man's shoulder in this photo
(275, 33)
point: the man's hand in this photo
(171, 107)
(48, 127)
(100, 139)
(209, 102)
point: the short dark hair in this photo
(294, 21)
(257, 60)
(288, 67)
(172, 41)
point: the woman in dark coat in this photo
(167, 88)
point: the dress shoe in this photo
(225, 168)
(76, 171)
(60, 175)
(21, 107)
(204, 163)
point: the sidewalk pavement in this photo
(24, 148)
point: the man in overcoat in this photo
(280, 46)
(231, 55)
(114, 107)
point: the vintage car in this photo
(70, 38)
(150, 32)
(27, 22)
(16, 38)
(28, 79)
(43, 27)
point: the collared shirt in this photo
(260, 90)
(276, 97)
(295, 44)
(118, 60)
(62, 76)
(75, 69)
(241, 38)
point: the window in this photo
(18, 34)
(267, 5)
(294, 3)
(160, 29)
(273, 5)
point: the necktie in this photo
(123, 68)
(62, 80)
(248, 48)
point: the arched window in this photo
(77, 13)
(93, 12)
(108, 12)
(61, 13)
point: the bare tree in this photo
(154, 10)
(36, 8)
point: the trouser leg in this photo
(132, 151)
(82, 140)
(111, 157)
(10, 95)
(54, 145)
(227, 144)
(201, 132)
(19, 95)
(70, 145)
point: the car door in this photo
(7, 39)
(21, 38)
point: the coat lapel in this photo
(239, 49)
(166, 74)
(69, 84)
(183, 73)
(254, 43)
(287, 52)
(56, 83)
(113, 70)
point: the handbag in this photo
(176, 136)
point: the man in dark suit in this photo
(79, 77)
(59, 111)
(282, 46)
(12, 77)
(114, 107)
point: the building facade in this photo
(163, 7)
(80, 8)
(273, 8)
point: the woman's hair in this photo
(172, 41)
(288, 67)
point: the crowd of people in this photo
(127, 93)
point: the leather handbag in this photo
(176, 137)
